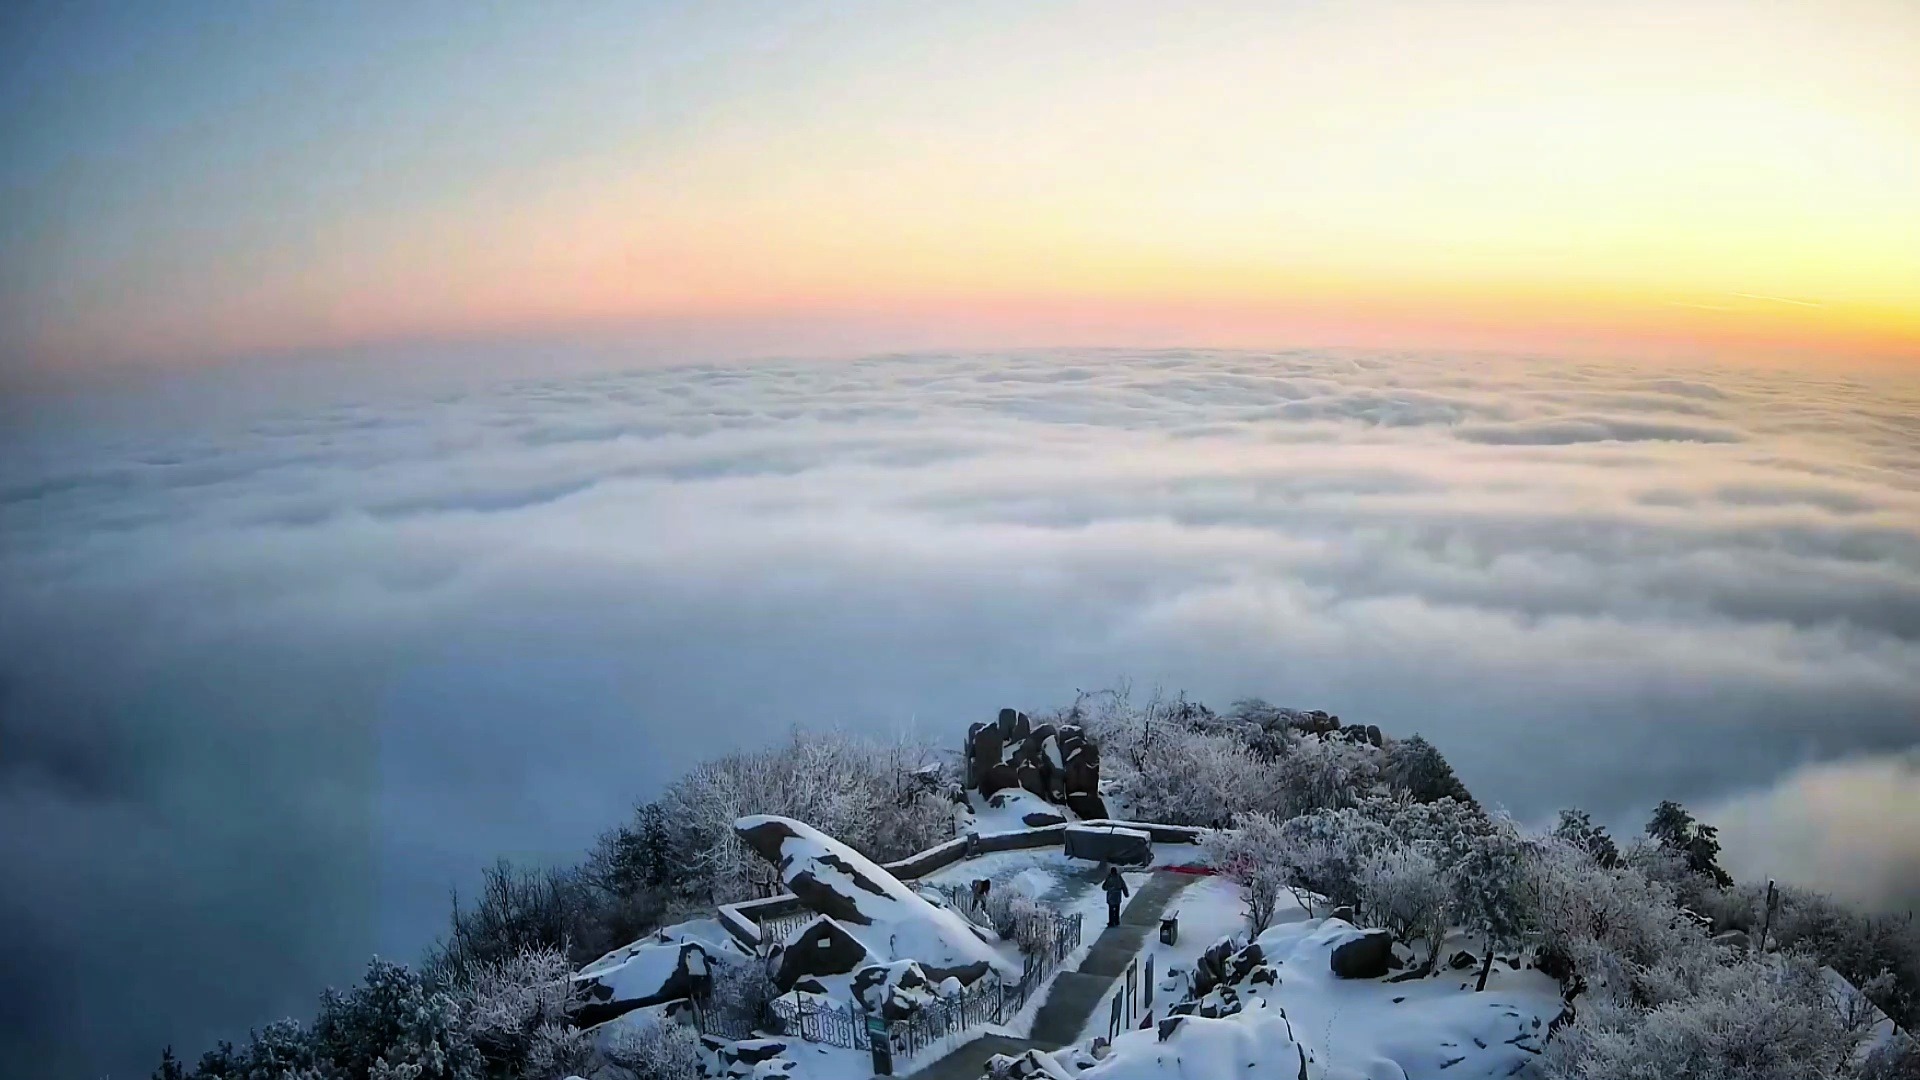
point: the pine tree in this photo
(656, 855)
(1576, 827)
(1416, 767)
(1489, 890)
(1673, 828)
(170, 1067)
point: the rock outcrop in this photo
(648, 972)
(895, 991)
(1368, 955)
(822, 947)
(1057, 763)
(890, 921)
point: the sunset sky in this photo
(192, 182)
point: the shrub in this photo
(1415, 767)
(1253, 856)
(394, 1020)
(871, 796)
(1576, 827)
(741, 992)
(1762, 1019)
(521, 910)
(1403, 889)
(657, 1051)
(517, 1011)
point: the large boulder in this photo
(1033, 776)
(873, 906)
(984, 745)
(1080, 771)
(998, 777)
(1087, 806)
(1014, 726)
(895, 991)
(746, 1059)
(1034, 747)
(822, 947)
(1368, 955)
(647, 972)
(1028, 1065)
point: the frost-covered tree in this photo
(1673, 828)
(1403, 889)
(1416, 768)
(1489, 890)
(1854, 943)
(394, 1020)
(657, 1051)
(868, 794)
(520, 909)
(741, 993)
(1607, 928)
(1767, 1018)
(1254, 856)
(1325, 774)
(1576, 827)
(517, 1011)
(1194, 778)
(1324, 851)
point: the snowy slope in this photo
(1436, 1028)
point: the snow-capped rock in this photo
(885, 916)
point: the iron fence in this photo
(778, 928)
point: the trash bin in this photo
(1170, 929)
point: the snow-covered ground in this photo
(1436, 1028)
(983, 816)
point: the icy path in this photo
(1074, 994)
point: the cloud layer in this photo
(273, 677)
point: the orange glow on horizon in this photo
(1702, 177)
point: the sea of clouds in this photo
(274, 677)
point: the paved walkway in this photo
(1075, 994)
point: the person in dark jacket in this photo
(1116, 887)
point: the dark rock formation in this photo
(984, 744)
(895, 991)
(1365, 957)
(639, 975)
(997, 777)
(1087, 807)
(1058, 764)
(823, 948)
(759, 1059)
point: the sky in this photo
(186, 184)
(283, 662)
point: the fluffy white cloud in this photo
(1848, 827)
(275, 676)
